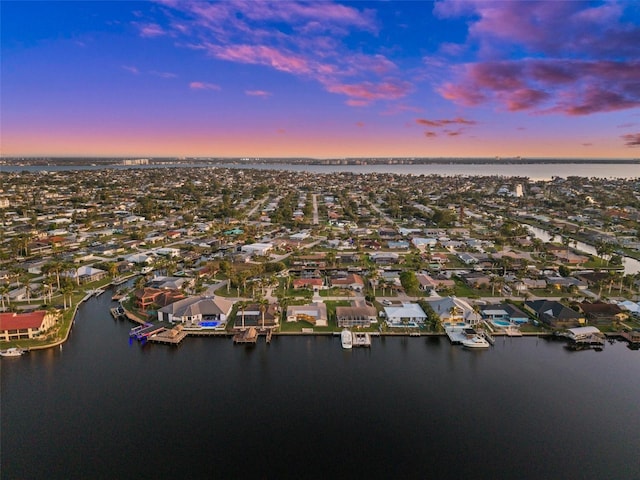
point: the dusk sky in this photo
(321, 79)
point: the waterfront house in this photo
(145, 297)
(255, 315)
(358, 314)
(192, 311)
(599, 313)
(407, 314)
(452, 310)
(313, 313)
(504, 311)
(554, 314)
(19, 326)
(86, 274)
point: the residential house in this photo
(257, 248)
(358, 314)
(407, 314)
(313, 313)
(147, 296)
(193, 311)
(554, 314)
(477, 280)
(352, 281)
(429, 283)
(253, 315)
(504, 311)
(599, 313)
(19, 326)
(452, 310)
(312, 283)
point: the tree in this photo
(264, 304)
(409, 281)
(4, 293)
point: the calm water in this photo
(534, 171)
(304, 408)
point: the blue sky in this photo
(321, 79)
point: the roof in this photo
(406, 310)
(16, 321)
(190, 307)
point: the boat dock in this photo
(456, 334)
(249, 336)
(171, 336)
(143, 332)
(361, 339)
(117, 312)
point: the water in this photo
(631, 265)
(304, 408)
(535, 171)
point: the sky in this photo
(321, 79)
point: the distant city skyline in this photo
(321, 79)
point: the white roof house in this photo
(399, 316)
(257, 248)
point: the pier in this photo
(171, 336)
(249, 336)
(361, 339)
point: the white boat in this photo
(346, 338)
(476, 341)
(11, 352)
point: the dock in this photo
(171, 336)
(361, 339)
(249, 336)
(117, 313)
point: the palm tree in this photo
(67, 291)
(264, 303)
(241, 306)
(4, 293)
(26, 282)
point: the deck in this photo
(361, 339)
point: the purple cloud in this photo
(631, 139)
(312, 44)
(131, 69)
(203, 86)
(573, 87)
(257, 93)
(583, 58)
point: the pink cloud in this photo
(360, 124)
(631, 139)
(573, 87)
(261, 55)
(257, 93)
(582, 57)
(369, 92)
(203, 86)
(281, 131)
(163, 74)
(444, 122)
(131, 69)
(430, 134)
(150, 30)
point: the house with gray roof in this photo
(198, 311)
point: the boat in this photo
(476, 341)
(346, 338)
(12, 352)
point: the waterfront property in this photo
(18, 326)
(503, 312)
(453, 310)
(313, 313)
(358, 314)
(407, 314)
(199, 312)
(554, 314)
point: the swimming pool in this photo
(209, 324)
(501, 323)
